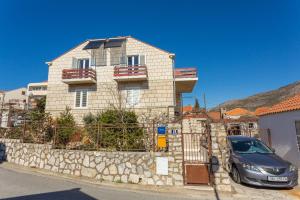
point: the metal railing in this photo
(120, 71)
(186, 73)
(78, 73)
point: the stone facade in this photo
(126, 167)
(219, 150)
(156, 94)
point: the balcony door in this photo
(133, 61)
(83, 65)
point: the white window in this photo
(83, 63)
(81, 98)
(136, 60)
(133, 97)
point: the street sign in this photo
(161, 130)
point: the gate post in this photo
(219, 151)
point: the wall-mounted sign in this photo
(174, 131)
(161, 141)
(161, 130)
(162, 165)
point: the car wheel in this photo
(236, 175)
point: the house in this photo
(187, 109)
(282, 125)
(240, 121)
(121, 72)
(36, 91)
(12, 102)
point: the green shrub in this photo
(66, 127)
(115, 130)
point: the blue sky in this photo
(239, 47)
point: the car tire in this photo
(236, 175)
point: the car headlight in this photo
(292, 168)
(250, 167)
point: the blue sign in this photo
(161, 130)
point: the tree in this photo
(66, 127)
(196, 106)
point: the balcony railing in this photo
(79, 76)
(130, 73)
(186, 73)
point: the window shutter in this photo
(77, 99)
(133, 97)
(123, 60)
(93, 58)
(142, 60)
(84, 99)
(74, 63)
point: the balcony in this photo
(79, 76)
(185, 79)
(130, 73)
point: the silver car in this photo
(254, 163)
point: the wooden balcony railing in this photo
(186, 73)
(121, 71)
(78, 74)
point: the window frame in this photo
(138, 55)
(138, 89)
(81, 98)
(78, 63)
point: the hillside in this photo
(263, 99)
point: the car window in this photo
(249, 146)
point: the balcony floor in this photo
(79, 80)
(185, 85)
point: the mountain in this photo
(262, 99)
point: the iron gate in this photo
(196, 156)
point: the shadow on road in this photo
(74, 194)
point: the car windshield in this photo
(250, 146)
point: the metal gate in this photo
(196, 156)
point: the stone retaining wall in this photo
(127, 167)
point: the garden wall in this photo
(127, 167)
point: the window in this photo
(133, 60)
(83, 63)
(251, 125)
(297, 124)
(133, 97)
(81, 99)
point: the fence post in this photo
(98, 132)
(153, 136)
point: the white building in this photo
(282, 125)
(37, 89)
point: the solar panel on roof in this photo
(114, 43)
(93, 44)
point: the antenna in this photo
(204, 100)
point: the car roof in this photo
(240, 137)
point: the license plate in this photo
(277, 179)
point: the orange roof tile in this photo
(290, 104)
(188, 108)
(260, 110)
(214, 115)
(239, 111)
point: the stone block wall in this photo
(126, 167)
(156, 93)
(219, 150)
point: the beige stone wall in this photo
(157, 93)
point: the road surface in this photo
(20, 186)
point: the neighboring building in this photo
(36, 91)
(240, 121)
(283, 124)
(122, 72)
(187, 109)
(12, 102)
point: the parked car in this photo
(252, 162)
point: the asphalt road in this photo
(19, 186)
